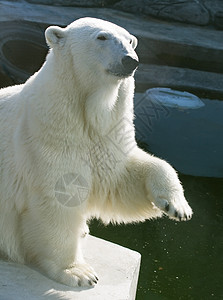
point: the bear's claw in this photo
(79, 275)
(167, 207)
(177, 209)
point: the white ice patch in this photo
(173, 98)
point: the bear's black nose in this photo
(129, 63)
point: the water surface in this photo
(180, 260)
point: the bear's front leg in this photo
(75, 275)
(52, 238)
(164, 189)
(147, 187)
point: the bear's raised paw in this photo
(177, 208)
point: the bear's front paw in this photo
(79, 275)
(165, 191)
(176, 207)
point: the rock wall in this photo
(172, 54)
(199, 12)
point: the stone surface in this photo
(200, 12)
(80, 3)
(155, 37)
(213, 6)
(190, 11)
(197, 51)
(117, 267)
(205, 84)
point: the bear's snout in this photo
(129, 63)
(125, 68)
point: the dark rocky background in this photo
(180, 42)
(200, 12)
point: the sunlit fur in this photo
(51, 126)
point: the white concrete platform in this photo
(117, 267)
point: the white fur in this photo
(51, 126)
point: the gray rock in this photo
(175, 48)
(199, 12)
(204, 84)
(189, 11)
(215, 8)
(79, 3)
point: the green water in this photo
(179, 260)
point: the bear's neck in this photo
(66, 107)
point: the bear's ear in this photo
(55, 36)
(134, 42)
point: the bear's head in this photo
(98, 48)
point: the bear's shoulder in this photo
(10, 91)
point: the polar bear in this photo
(73, 120)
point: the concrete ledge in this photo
(117, 267)
(195, 81)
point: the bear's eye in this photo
(130, 42)
(102, 37)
